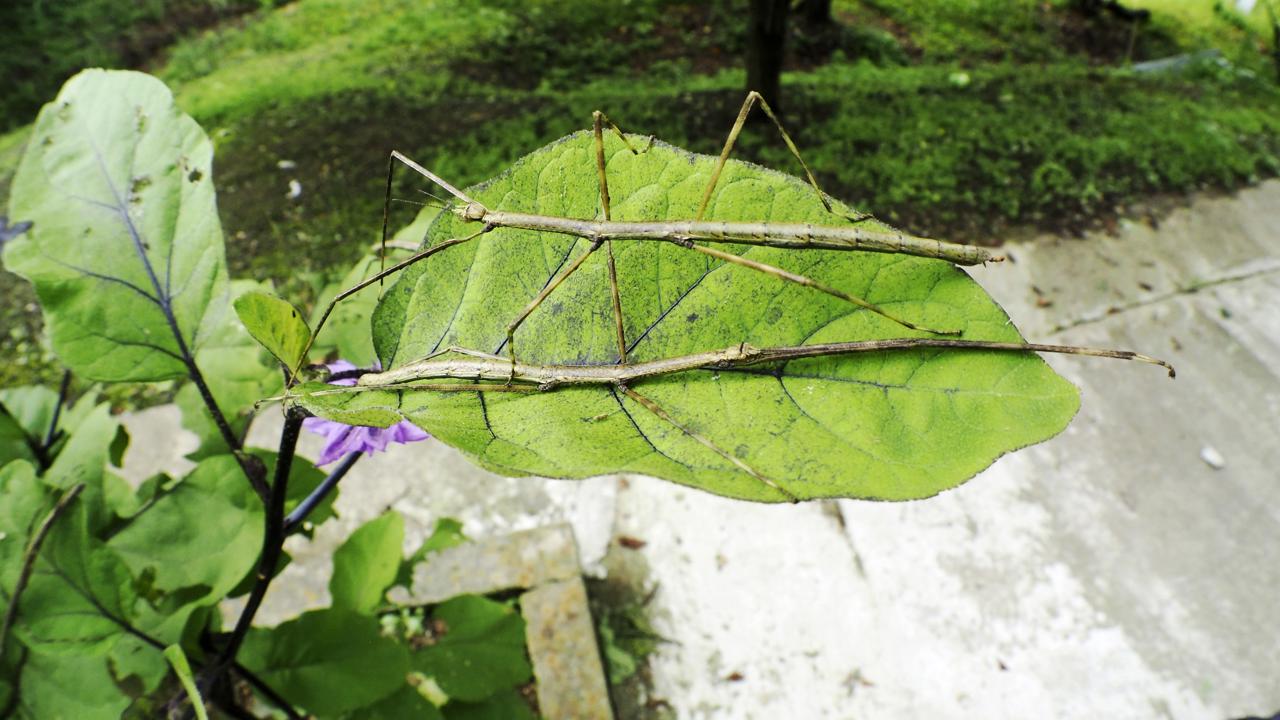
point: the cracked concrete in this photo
(1110, 572)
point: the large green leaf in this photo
(327, 661)
(205, 532)
(893, 425)
(126, 250)
(81, 598)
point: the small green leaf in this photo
(481, 653)
(365, 565)
(276, 324)
(328, 661)
(206, 531)
(119, 444)
(126, 249)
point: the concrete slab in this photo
(521, 560)
(1110, 572)
(562, 648)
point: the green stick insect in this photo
(489, 371)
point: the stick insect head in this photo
(473, 211)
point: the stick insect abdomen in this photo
(781, 235)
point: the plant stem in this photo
(253, 469)
(293, 523)
(51, 436)
(272, 545)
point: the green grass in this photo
(958, 118)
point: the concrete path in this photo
(1129, 568)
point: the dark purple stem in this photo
(52, 435)
(272, 546)
(293, 523)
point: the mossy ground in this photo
(958, 119)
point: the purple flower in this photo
(343, 439)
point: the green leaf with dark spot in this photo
(481, 653)
(327, 661)
(126, 249)
(892, 425)
(365, 565)
(505, 705)
(276, 324)
(204, 532)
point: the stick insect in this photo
(488, 372)
(682, 233)
(479, 367)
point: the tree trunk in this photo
(766, 33)
(815, 13)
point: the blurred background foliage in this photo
(963, 119)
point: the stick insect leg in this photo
(657, 410)
(423, 255)
(598, 120)
(754, 97)
(533, 304)
(809, 282)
